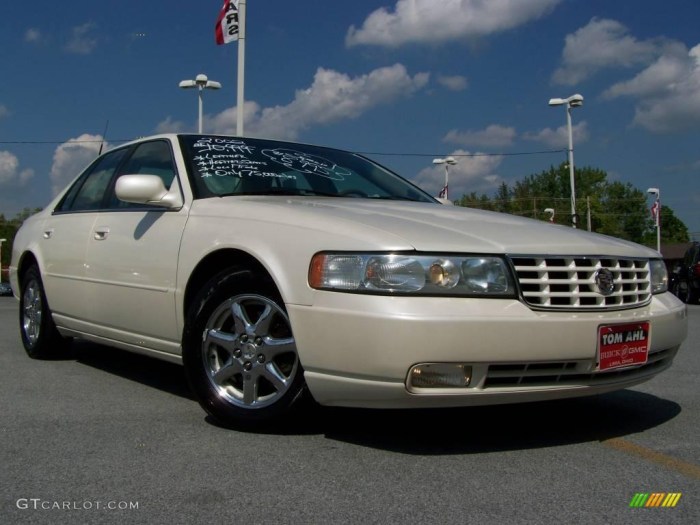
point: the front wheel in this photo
(239, 352)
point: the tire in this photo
(685, 293)
(40, 337)
(692, 295)
(239, 352)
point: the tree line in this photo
(615, 208)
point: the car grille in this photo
(573, 373)
(561, 283)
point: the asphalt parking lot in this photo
(111, 437)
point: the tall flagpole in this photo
(241, 67)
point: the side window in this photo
(149, 158)
(88, 192)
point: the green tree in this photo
(615, 208)
(472, 200)
(673, 230)
(624, 212)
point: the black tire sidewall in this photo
(49, 341)
(685, 292)
(219, 289)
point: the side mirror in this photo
(147, 189)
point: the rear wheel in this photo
(239, 352)
(40, 337)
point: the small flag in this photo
(655, 211)
(227, 23)
(443, 193)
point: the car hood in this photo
(426, 227)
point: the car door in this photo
(132, 260)
(65, 239)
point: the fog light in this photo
(439, 375)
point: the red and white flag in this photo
(227, 23)
(655, 211)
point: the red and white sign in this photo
(623, 345)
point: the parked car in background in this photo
(686, 276)
(5, 289)
(273, 271)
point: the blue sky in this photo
(394, 78)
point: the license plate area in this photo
(622, 345)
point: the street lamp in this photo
(201, 82)
(1, 241)
(656, 212)
(573, 101)
(447, 161)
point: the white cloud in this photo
(70, 158)
(32, 35)
(494, 136)
(559, 138)
(453, 82)
(602, 43)
(10, 173)
(471, 173)
(225, 122)
(668, 91)
(170, 126)
(332, 97)
(81, 42)
(440, 21)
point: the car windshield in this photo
(221, 166)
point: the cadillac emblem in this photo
(604, 281)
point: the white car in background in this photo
(275, 270)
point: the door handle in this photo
(48, 233)
(101, 233)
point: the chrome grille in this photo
(569, 282)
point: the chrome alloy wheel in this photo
(249, 352)
(32, 312)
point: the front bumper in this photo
(357, 349)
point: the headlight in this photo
(412, 274)
(659, 276)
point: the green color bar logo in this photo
(655, 499)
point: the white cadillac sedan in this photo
(273, 271)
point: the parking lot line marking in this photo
(688, 469)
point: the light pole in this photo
(447, 161)
(656, 212)
(201, 82)
(1, 241)
(573, 101)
